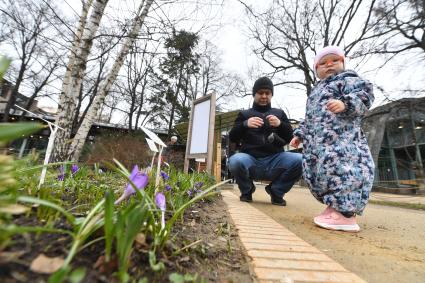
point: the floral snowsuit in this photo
(337, 163)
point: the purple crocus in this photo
(160, 201)
(164, 176)
(161, 204)
(61, 175)
(199, 185)
(74, 168)
(139, 179)
(168, 188)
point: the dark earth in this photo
(205, 245)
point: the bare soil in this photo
(389, 248)
(206, 240)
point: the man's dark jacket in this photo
(255, 142)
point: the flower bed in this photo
(88, 224)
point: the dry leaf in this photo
(106, 267)
(10, 256)
(141, 239)
(47, 265)
(14, 209)
(192, 223)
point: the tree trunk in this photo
(12, 99)
(80, 137)
(173, 107)
(142, 95)
(76, 67)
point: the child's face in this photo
(329, 65)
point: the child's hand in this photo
(295, 142)
(335, 106)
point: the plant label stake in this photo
(161, 145)
(153, 148)
(53, 129)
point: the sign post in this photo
(200, 135)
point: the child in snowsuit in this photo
(337, 163)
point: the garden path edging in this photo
(278, 255)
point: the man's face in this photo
(263, 97)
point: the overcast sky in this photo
(231, 39)
(404, 73)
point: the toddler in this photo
(337, 163)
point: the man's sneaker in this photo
(274, 198)
(336, 221)
(248, 197)
(252, 188)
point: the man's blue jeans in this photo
(283, 169)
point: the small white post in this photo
(53, 129)
(153, 148)
(158, 169)
(161, 144)
(153, 159)
(22, 149)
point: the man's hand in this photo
(295, 142)
(335, 105)
(255, 122)
(273, 121)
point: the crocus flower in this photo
(61, 175)
(199, 185)
(164, 176)
(161, 204)
(168, 188)
(74, 168)
(139, 179)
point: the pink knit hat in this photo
(326, 51)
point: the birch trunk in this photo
(83, 130)
(76, 67)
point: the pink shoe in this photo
(322, 216)
(336, 221)
(327, 210)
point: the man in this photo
(167, 151)
(173, 140)
(262, 131)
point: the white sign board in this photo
(200, 127)
(200, 136)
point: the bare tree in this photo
(212, 78)
(76, 66)
(403, 22)
(79, 139)
(289, 33)
(134, 86)
(27, 30)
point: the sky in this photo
(229, 34)
(402, 73)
